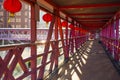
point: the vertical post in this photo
(33, 39)
(76, 37)
(73, 35)
(79, 34)
(112, 37)
(109, 36)
(56, 39)
(61, 33)
(67, 47)
(71, 43)
(5, 23)
(117, 38)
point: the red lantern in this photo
(76, 28)
(64, 23)
(71, 26)
(12, 6)
(47, 17)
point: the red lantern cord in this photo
(47, 17)
(12, 6)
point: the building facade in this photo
(21, 19)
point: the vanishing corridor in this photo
(89, 63)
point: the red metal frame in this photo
(14, 52)
(91, 6)
(89, 14)
(92, 18)
(33, 39)
(110, 37)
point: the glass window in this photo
(18, 14)
(13, 26)
(18, 20)
(26, 26)
(26, 20)
(12, 20)
(18, 26)
(26, 7)
(1, 13)
(26, 13)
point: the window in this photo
(26, 7)
(18, 20)
(12, 20)
(26, 20)
(26, 26)
(13, 26)
(18, 26)
(26, 13)
(18, 14)
(1, 13)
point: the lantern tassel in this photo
(12, 14)
(8, 19)
(47, 24)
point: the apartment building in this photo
(19, 20)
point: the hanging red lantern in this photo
(64, 23)
(77, 29)
(12, 6)
(47, 17)
(71, 26)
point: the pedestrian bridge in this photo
(81, 41)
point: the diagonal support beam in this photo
(90, 6)
(46, 49)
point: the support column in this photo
(67, 45)
(117, 39)
(33, 47)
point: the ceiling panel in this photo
(91, 10)
(79, 2)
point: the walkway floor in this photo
(90, 63)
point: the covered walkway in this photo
(89, 63)
(59, 39)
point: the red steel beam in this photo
(92, 18)
(46, 49)
(93, 21)
(33, 39)
(90, 14)
(90, 6)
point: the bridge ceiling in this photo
(93, 14)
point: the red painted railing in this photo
(36, 59)
(110, 36)
(15, 66)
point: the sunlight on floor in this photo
(78, 68)
(90, 46)
(60, 70)
(70, 66)
(75, 76)
(84, 61)
(66, 72)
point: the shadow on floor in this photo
(89, 63)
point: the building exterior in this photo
(20, 20)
